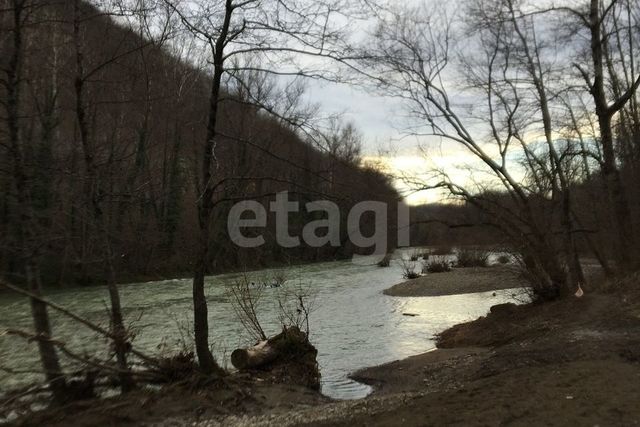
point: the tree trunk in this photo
(560, 183)
(42, 326)
(27, 248)
(205, 207)
(207, 363)
(93, 209)
(288, 343)
(121, 342)
(617, 196)
(253, 357)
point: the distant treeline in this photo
(463, 223)
(444, 224)
(109, 125)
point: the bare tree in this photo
(417, 60)
(237, 33)
(96, 190)
(605, 109)
(600, 23)
(16, 17)
(246, 299)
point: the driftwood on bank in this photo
(254, 357)
(288, 357)
(286, 344)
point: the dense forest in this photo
(109, 124)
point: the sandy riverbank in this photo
(569, 362)
(459, 281)
(572, 362)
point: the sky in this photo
(380, 120)
(384, 141)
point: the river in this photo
(353, 324)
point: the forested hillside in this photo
(100, 141)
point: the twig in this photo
(63, 348)
(75, 317)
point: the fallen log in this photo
(287, 358)
(291, 343)
(254, 357)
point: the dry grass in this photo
(472, 258)
(437, 264)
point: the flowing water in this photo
(353, 324)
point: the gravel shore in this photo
(518, 373)
(574, 361)
(459, 281)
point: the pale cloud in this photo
(373, 115)
(411, 172)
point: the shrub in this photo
(540, 288)
(411, 275)
(437, 265)
(409, 270)
(279, 278)
(274, 280)
(414, 256)
(175, 368)
(472, 258)
(384, 262)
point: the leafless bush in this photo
(437, 264)
(385, 262)
(245, 302)
(279, 278)
(295, 304)
(409, 270)
(183, 343)
(472, 258)
(177, 367)
(176, 358)
(541, 287)
(273, 280)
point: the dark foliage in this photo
(147, 115)
(472, 258)
(437, 264)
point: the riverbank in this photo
(572, 362)
(187, 403)
(124, 277)
(459, 281)
(569, 362)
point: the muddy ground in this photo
(574, 362)
(459, 281)
(571, 362)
